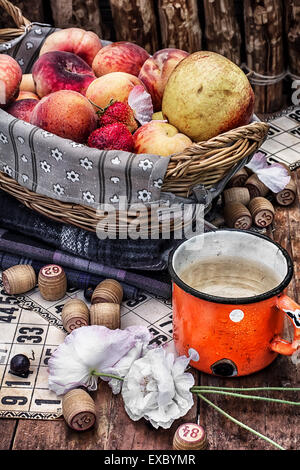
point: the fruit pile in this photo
(119, 97)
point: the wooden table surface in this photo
(114, 430)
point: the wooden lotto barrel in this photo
(79, 409)
(108, 291)
(237, 216)
(19, 279)
(241, 195)
(106, 314)
(52, 282)
(75, 314)
(262, 212)
(190, 436)
(288, 196)
(256, 187)
(239, 179)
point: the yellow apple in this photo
(207, 95)
(159, 138)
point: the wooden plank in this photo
(135, 21)
(292, 29)
(264, 50)
(7, 430)
(179, 24)
(113, 430)
(222, 30)
(77, 13)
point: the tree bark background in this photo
(292, 27)
(264, 49)
(179, 24)
(135, 21)
(82, 14)
(32, 10)
(222, 30)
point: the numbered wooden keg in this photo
(237, 216)
(190, 436)
(19, 279)
(239, 179)
(79, 409)
(262, 212)
(288, 196)
(256, 187)
(108, 291)
(52, 282)
(241, 195)
(75, 314)
(106, 314)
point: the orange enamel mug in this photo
(239, 336)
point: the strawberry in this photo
(114, 136)
(116, 111)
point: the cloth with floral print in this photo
(69, 171)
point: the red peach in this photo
(59, 70)
(115, 85)
(120, 57)
(157, 70)
(10, 79)
(83, 43)
(22, 109)
(67, 114)
(25, 95)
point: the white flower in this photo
(114, 199)
(158, 389)
(7, 170)
(73, 176)
(47, 134)
(3, 138)
(88, 196)
(88, 350)
(45, 166)
(21, 61)
(57, 154)
(86, 163)
(75, 145)
(29, 45)
(144, 195)
(116, 161)
(7, 46)
(25, 178)
(21, 139)
(24, 158)
(146, 164)
(58, 189)
(158, 183)
(115, 179)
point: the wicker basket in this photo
(206, 163)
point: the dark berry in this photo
(19, 365)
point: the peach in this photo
(159, 138)
(24, 95)
(120, 57)
(156, 71)
(67, 114)
(83, 43)
(10, 79)
(115, 85)
(59, 70)
(22, 109)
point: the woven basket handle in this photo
(15, 13)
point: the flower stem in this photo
(239, 423)
(106, 375)
(252, 397)
(244, 389)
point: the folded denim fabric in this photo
(126, 254)
(76, 279)
(19, 244)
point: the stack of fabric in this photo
(27, 237)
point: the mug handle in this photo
(292, 311)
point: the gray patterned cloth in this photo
(61, 169)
